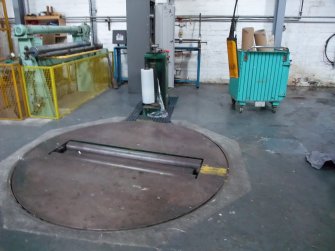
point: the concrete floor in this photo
(290, 206)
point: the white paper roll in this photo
(148, 87)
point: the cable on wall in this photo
(326, 51)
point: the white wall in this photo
(306, 41)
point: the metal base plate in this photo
(137, 113)
(87, 192)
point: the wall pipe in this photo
(197, 17)
(211, 18)
(301, 8)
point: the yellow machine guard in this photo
(232, 58)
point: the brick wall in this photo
(306, 41)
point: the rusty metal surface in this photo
(87, 192)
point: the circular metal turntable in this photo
(119, 176)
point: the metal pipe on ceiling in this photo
(210, 18)
(227, 20)
(245, 16)
(196, 17)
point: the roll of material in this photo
(148, 86)
(247, 38)
(260, 39)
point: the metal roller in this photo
(69, 51)
(153, 157)
(22, 30)
(36, 51)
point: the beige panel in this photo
(260, 39)
(247, 38)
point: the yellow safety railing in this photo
(12, 94)
(55, 91)
(5, 29)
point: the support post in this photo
(140, 37)
(19, 11)
(93, 16)
(7, 26)
(278, 21)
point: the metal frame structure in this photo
(80, 79)
(7, 27)
(34, 53)
(191, 48)
(44, 72)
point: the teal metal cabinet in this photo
(263, 77)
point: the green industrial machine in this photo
(34, 53)
(158, 62)
(40, 64)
